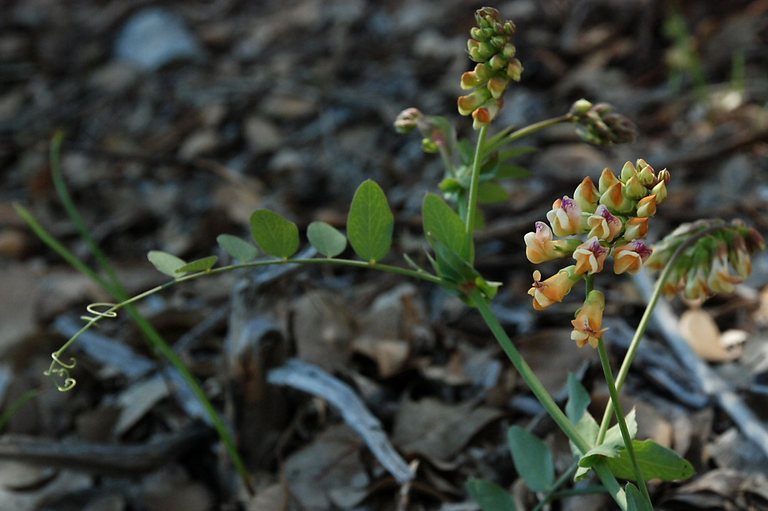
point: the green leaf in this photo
(204, 264)
(443, 224)
(578, 399)
(612, 444)
(532, 459)
(275, 235)
(165, 263)
(655, 462)
(238, 248)
(635, 499)
(326, 239)
(370, 222)
(491, 192)
(490, 496)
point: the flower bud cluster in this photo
(600, 125)
(713, 264)
(607, 219)
(436, 134)
(491, 48)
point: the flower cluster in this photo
(713, 264)
(609, 219)
(492, 50)
(599, 124)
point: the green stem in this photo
(474, 184)
(645, 320)
(544, 397)
(606, 363)
(507, 136)
(553, 490)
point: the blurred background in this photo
(181, 118)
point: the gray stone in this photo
(154, 37)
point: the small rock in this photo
(199, 143)
(288, 107)
(262, 136)
(114, 78)
(154, 37)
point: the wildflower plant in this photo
(600, 228)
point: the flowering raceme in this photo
(609, 219)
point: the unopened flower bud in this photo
(586, 195)
(607, 180)
(634, 189)
(514, 70)
(429, 146)
(509, 51)
(469, 80)
(647, 206)
(408, 120)
(497, 86)
(660, 191)
(627, 171)
(483, 115)
(646, 175)
(636, 228)
(580, 107)
(587, 325)
(615, 200)
(467, 104)
(630, 257)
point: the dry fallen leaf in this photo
(702, 333)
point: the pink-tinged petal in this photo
(565, 217)
(590, 257)
(629, 258)
(604, 225)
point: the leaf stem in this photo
(507, 136)
(606, 363)
(621, 377)
(544, 397)
(474, 185)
